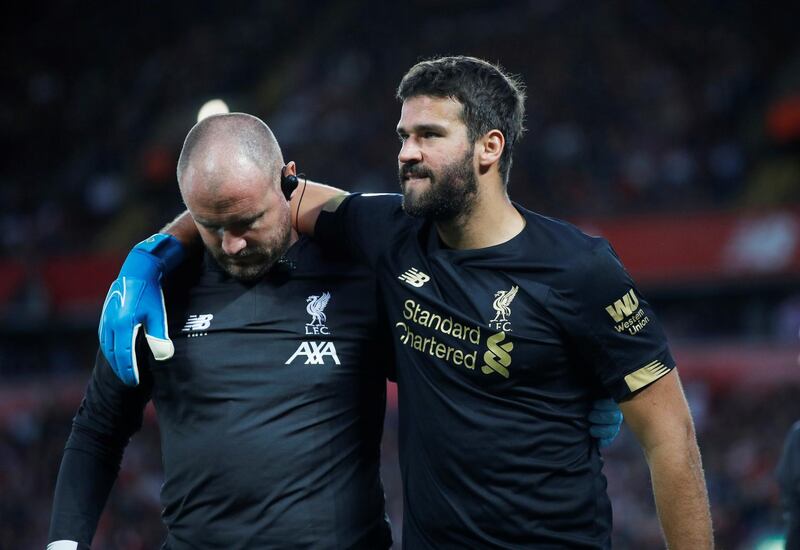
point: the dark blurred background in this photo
(672, 128)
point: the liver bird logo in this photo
(502, 304)
(315, 307)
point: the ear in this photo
(489, 148)
(291, 169)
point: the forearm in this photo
(680, 494)
(309, 200)
(659, 416)
(183, 229)
(82, 488)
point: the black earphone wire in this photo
(300, 200)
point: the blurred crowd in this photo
(632, 106)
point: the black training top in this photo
(499, 355)
(270, 413)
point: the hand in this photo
(605, 418)
(135, 299)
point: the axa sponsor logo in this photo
(196, 325)
(415, 277)
(315, 353)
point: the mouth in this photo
(250, 259)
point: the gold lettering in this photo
(475, 335)
(423, 317)
(404, 337)
(469, 360)
(408, 309)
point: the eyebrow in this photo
(422, 128)
(246, 221)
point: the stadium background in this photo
(671, 128)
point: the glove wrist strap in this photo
(166, 248)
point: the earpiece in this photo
(288, 183)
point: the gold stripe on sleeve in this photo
(646, 375)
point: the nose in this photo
(409, 152)
(232, 244)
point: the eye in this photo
(402, 137)
(428, 135)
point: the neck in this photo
(293, 236)
(493, 220)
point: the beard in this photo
(255, 260)
(451, 193)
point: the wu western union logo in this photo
(651, 372)
(627, 313)
(624, 307)
(497, 357)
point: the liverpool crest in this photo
(502, 308)
(316, 308)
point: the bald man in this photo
(271, 408)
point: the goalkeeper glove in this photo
(135, 299)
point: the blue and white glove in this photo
(135, 299)
(605, 419)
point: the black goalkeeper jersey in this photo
(270, 413)
(499, 355)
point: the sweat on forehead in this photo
(231, 141)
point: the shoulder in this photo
(562, 243)
(362, 214)
(375, 204)
(310, 256)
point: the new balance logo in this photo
(315, 353)
(624, 307)
(196, 323)
(415, 277)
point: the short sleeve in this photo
(613, 328)
(362, 225)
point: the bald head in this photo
(220, 149)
